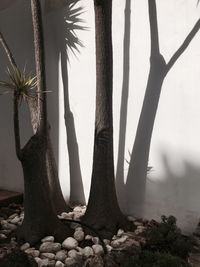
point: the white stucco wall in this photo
(174, 182)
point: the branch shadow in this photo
(66, 16)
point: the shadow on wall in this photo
(63, 17)
(175, 194)
(120, 186)
(132, 195)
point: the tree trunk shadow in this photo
(120, 186)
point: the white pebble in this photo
(88, 237)
(70, 262)
(78, 209)
(59, 264)
(15, 220)
(50, 247)
(95, 240)
(74, 254)
(48, 239)
(61, 255)
(79, 228)
(69, 243)
(33, 252)
(88, 252)
(49, 256)
(79, 235)
(25, 246)
(98, 249)
(66, 215)
(120, 232)
(43, 263)
(3, 236)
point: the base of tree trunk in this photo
(32, 233)
(40, 218)
(107, 222)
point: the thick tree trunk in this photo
(103, 212)
(40, 218)
(55, 189)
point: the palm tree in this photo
(159, 69)
(103, 211)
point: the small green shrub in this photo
(154, 259)
(167, 237)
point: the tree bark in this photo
(40, 216)
(103, 211)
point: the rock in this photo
(79, 235)
(47, 255)
(106, 241)
(109, 248)
(74, 225)
(78, 209)
(25, 246)
(12, 216)
(70, 243)
(38, 260)
(117, 242)
(130, 246)
(95, 240)
(15, 220)
(131, 218)
(120, 232)
(43, 263)
(88, 252)
(74, 254)
(61, 255)
(50, 247)
(48, 239)
(136, 223)
(51, 263)
(88, 237)
(59, 264)
(66, 215)
(95, 261)
(9, 226)
(5, 232)
(70, 262)
(3, 236)
(33, 252)
(79, 228)
(98, 249)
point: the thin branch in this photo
(15, 101)
(155, 50)
(16, 127)
(184, 45)
(8, 52)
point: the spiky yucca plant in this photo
(20, 83)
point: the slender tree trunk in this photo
(40, 216)
(103, 211)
